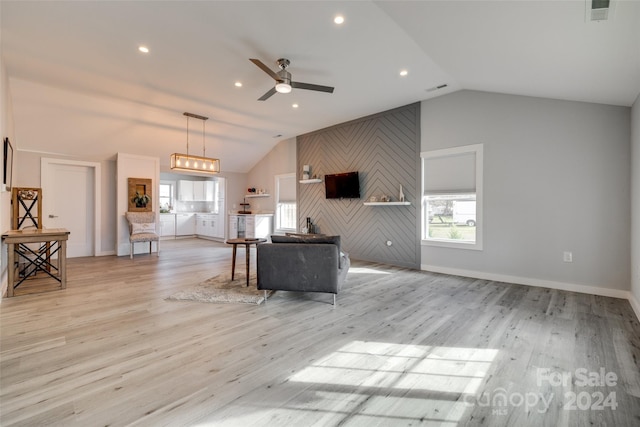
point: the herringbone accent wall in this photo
(385, 151)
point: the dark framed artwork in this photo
(7, 164)
(139, 193)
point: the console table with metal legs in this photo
(25, 261)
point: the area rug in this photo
(221, 289)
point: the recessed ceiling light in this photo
(295, 105)
(143, 49)
(339, 19)
(403, 73)
(238, 84)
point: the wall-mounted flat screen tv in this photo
(342, 186)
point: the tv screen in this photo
(342, 186)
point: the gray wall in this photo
(556, 178)
(384, 150)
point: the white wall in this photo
(6, 130)
(132, 166)
(556, 178)
(28, 175)
(280, 160)
(635, 206)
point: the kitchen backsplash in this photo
(195, 206)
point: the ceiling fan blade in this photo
(264, 68)
(310, 86)
(268, 94)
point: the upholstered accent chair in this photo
(303, 264)
(142, 228)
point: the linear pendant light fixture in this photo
(189, 162)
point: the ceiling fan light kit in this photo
(283, 87)
(192, 163)
(284, 84)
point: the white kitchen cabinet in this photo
(185, 191)
(233, 226)
(209, 191)
(219, 232)
(198, 190)
(167, 225)
(201, 222)
(207, 225)
(250, 226)
(185, 224)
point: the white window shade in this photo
(450, 174)
(287, 189)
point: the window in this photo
(286, 214)
(452, 197)
(165, 196)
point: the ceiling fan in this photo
(283, 80)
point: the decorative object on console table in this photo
(140, 194)
(309, 228)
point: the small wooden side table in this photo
(247, 246)
(54, 242)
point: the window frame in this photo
(173, 193)
(478, 151)
(277, 204)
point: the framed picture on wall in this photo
(139, 192)
(7, 164)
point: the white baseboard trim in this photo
(106, 253)
(562, 286)
(635, 304)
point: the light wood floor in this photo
(402, 347)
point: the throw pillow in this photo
(149, 227)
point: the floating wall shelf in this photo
(310, 181)
(251, 196)
(387, 203)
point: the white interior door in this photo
(68, 202)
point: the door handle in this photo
(53, 216)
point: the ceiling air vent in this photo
(599, 10)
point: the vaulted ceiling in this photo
(80, 88)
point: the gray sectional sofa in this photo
(303, 264)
